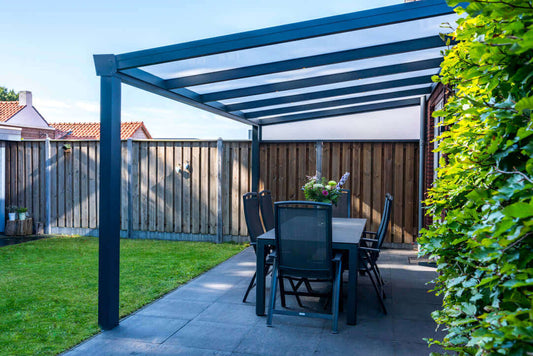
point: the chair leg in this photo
(374, 283)
(272, 295)
(335, 302)
(250, 286)
(282, 290)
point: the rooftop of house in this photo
(8, 109)
(91, 130)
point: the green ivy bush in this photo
(482, 201)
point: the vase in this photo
(22, 216)
(12, 216)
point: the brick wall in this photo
(441, 92)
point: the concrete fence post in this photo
(220, 220)
(130, 187)
(319, 148)
(47, 186)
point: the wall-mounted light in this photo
(178, 169)
(188, 167)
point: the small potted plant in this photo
(67, 148)
(22, 213)
(12, 212)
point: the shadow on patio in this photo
(206, 317)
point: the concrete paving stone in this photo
(377, 328)
(280, 340)
(414, 295)
(145, 328)
(416, 349)
(239, 314)
(171, 350)
(199, 292)
(414, 331)
(209, 335)
(174, 308)
(99, 346)
(413, 311)
(353, 344)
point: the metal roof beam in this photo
(417, 44)
(146, 81)
(288, 99)
(285, 33)
(339, 112)
(340, 102)
(323, 80)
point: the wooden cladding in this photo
(375, 169)
(163, 196)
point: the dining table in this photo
(346, 235)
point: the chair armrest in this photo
(369, 249)
(369, 240)
(370, 232)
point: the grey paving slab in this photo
(145, 328)
(206, 317)
(222, 336)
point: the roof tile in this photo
(8, 109)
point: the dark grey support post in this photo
(256, 138)
(319, 149)
(421, 162)
(109, 213)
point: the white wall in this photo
(28, 117)
(399, 124)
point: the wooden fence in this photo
(163, 199)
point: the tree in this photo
(8, 95)
(482, 201)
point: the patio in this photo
(207, 317)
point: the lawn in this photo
(49, 287)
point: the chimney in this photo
(25, 98)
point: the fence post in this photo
(47, 186)
(130, 187)
(220, 220)
(319, 148)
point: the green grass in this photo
(49, 287)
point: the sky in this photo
(47, 48)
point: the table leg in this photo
(260, 279)
(353, 266)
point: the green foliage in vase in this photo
(320, 190)
(482, 201)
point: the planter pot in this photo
(12, 216)
(22, 216)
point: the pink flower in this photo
(325, 193)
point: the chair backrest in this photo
(303, 239)
(267, 209)
(384, 224)
(342, 209)
(251, 215)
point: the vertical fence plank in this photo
(195, 195)
(93, 184)
(226, 187)
(68, 188)
(245, 169)
(152, 185)
(160, 191)
(377, 185)
(169, 187)
(144, 189)
(397, 211)
(60, 187)
(76, 202)
(388, 179)
(410, 194)
(36, 182)
(84, 185)
(178, 184)
(135, 164)
(204, 188)
(187, 196)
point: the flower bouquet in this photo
(322, 190)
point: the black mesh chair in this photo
(304, 253)
(267, 209)
(369, 249)
(255, 229)
(342, 209)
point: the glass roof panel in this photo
(296, 49)
(340, 106)
(374, 92)
(318, 71)
(379, 79)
